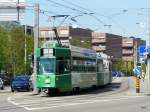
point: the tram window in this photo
(63, 66)
(100, 66)
(46, 66)
(83, 64)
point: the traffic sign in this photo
(142, 50)
(137, 71)
(148, 49)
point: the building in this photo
(116, 46)
(130, 47)
(109, 44)
(68, 36)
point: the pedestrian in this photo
(143, 75)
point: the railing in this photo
(127, 51)
(127, 45)
(99, 48)
(128, 58)
(98, 40)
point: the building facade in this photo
(68, 36)
(116, 46)
(109, 44)
(130, 47)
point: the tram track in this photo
(30, 102)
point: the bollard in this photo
(137, 84)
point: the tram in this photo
(62, 69)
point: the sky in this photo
(121, 15)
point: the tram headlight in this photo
(47, 81)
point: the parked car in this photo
(21, 83)
(1, 84)
(31, 82)
(117, 74)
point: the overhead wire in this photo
(108, 17)
(68, 7)
(77, 10)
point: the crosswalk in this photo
(38, 103)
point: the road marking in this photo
(38, 104)
(17, 104)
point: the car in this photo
(31, 82)
(1, 84)
(21, 83)
(117, 74)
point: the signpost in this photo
(148, 49)
(142, 51)
(12, 10)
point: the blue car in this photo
(20, 83)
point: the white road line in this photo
(31, 105)
(75, 104)
(17, 104)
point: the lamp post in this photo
(36, 37)
(147, 46)
(109, 27)
(25, 49)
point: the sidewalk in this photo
(132, 88)
(6, 90)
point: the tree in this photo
(123, 66)
(3, 47)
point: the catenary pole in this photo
(148, 62)
(135, 54)
(25, 47)
(36, 36)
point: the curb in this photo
(6, 90)
(121, 88)
(3, 91)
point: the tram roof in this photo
(82, 52)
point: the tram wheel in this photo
(53, 92)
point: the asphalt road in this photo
(118, 97)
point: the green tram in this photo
(69, 69)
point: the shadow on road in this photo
(101, 89)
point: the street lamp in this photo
(117, 14)
(74, 20)
(59, 16)
(109, 27)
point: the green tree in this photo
(123, 66)
(3, 47)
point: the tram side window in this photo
(100, 66)
(83, 65)
(63, 66)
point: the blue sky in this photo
(122, 15)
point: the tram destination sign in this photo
(12, 10)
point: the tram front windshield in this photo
(47, 65)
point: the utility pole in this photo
(147, 46)
(18, 9)
(36, 36)
(25, 47)
(148, 62)
(135, 54)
